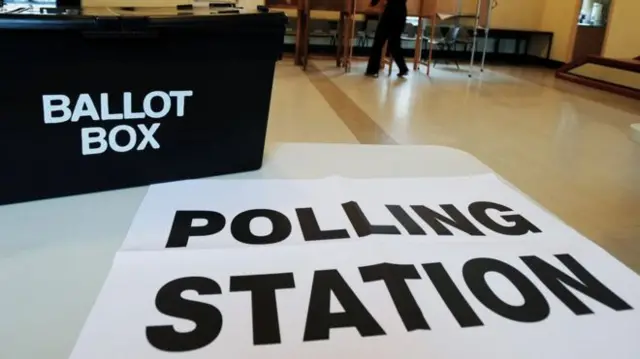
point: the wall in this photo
(515, 14)
(623, 38)
(561, 17)
(518, 14)
(147, 3)
(558, 16)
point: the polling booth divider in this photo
(343, 36)
(92, 103)
(431, 14)
(297, 12)
(345, 14)
(422, 9)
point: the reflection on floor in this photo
(566, 146)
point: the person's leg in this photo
(382, 33)
(395, 47)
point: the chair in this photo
(409, 33)
(446, 42)
(369, 32)
(438, 38)
(464, 38)
(321, 29)
(290, 29)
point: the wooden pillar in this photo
(434, 17)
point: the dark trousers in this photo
(389, 29)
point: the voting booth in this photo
(103, 98)
(344, 32)
(432, 14)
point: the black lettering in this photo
(320, 320)
(241, 230)
(535, 307)
(451, 295)
(405, 220)
(395, 277)
(264, 306)
(557, 282)
(311, 229)
(207, 318)
(455, 219)
(182, 228)
(520, 225)
(362, 225)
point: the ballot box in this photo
(95, 99)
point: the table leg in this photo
(433, 34)
(417, 55)
(349, 35)
(305, 42)
(340, 41)
(298, 52)
(383, 58)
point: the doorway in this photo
(591, 28)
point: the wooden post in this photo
(298, 53)
(305, 34)
(434, 17)
(340, 40)
(351, 26)
(383, 57)
(417, 56)
(390, 61)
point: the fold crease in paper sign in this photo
(526, 299)
(250, 213)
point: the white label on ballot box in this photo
(254, 213)
(60, 108)
(526, 299)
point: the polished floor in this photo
(566, 146)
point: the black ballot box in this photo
(96, 99)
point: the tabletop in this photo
(55, 254)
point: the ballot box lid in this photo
(87, 18)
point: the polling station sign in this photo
(251, 213)
(502, 300)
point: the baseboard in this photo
(552, 64)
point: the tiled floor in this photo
(566, 146)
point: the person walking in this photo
(390, 27)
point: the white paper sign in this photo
(250, 213)
(523, 299)
(204, 213)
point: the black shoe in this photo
(371, 74)
(403, 73)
